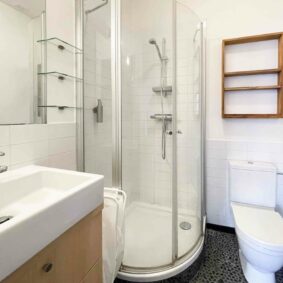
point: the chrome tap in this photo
(3, 168)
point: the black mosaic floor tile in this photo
(219, 263)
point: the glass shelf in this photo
(61, 44)
(61, 76)
(60, 107)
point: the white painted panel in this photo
(258, 80)
(251, 56)
(251, 102)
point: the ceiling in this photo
(31, 8)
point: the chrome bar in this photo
(116, 94)
(161, 117)
(79, 86)
(164, 132)
(203, 118)
(164, 89)
(97, 7)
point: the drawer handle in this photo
(47, 267)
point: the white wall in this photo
(246, 139)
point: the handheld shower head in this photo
(153, 41)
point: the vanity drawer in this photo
(95, 274)
(44, 265)
(73, 256)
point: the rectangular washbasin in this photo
(42, 204)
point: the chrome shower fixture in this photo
(153, 42)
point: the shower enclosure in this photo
(144, 126)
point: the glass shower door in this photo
(146, 59)
(189, 128)
(98, 91)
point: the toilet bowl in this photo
(258, 226)
(260, 236)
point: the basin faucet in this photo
(3, 168)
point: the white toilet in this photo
(258, 227)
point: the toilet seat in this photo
(261, 227)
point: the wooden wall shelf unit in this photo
(277, 71)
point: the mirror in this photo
(20, 57)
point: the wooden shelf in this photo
(253, 38)
(255, 116)
(278, 71)
(252, 88)
(252, 73)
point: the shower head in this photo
(153, 41)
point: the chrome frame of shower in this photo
(79, 85)
(116, 77)
(178, 263)
(174, 183)
(203, 123)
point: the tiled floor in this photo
(220, 264)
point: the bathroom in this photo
(141, 141)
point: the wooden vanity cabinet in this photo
(74, 257)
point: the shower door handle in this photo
(98, 110)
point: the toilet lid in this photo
(262, 225)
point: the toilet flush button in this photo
(250, 162)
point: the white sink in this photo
(43, 203)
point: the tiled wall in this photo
(218, 154)
(256, 139)
(51, 145)
(146, 176)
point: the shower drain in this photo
(185, 225)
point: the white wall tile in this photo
(56, 146)
(29, 151)
(4, 135)
(28, 133)
(5, 160)
(61, 130)
(39, 144)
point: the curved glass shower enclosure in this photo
(143, 126)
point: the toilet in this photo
(259, 228)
